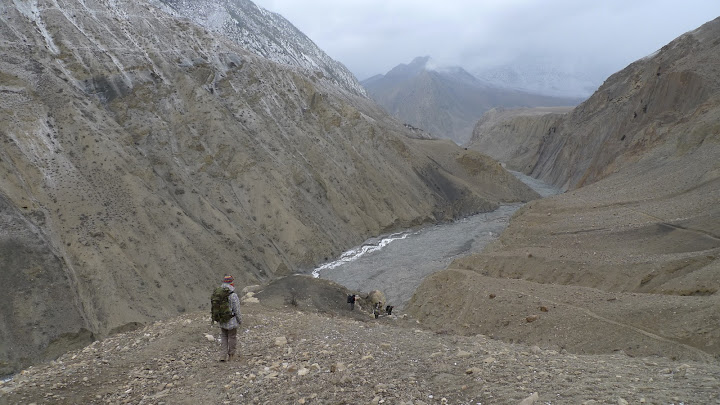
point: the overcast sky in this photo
(597, 36)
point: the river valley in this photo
(396, 264)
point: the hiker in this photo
(225, 308)
(351, 301)
(389, 309)
(376, 310)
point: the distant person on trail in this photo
(225, 309)
(351, 301)
(389, 309)
(376, 310)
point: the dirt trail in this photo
(706, 357)
(295, 357)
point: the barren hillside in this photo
(514, 135)
(639, 226)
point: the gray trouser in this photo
(228, 340)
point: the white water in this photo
(396, 264)
(358, 252)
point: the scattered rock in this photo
(424, 366)
(250, 298)
(463, 353)
(251, 289)
(530, 400)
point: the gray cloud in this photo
(599, 37)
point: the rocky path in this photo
(293, 357)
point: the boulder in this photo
(375, 297)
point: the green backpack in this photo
(220, 305)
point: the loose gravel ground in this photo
(290, 356)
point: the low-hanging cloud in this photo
(372, 36)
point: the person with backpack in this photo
(351, 301)
(225, 310)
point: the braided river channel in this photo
(396, 264)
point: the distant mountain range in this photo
(540, 78)
(448, 101)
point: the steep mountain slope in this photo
(264, 33)
(446, 102)
(143, 157)
(513, 136)
(658, 106)
(641, 159)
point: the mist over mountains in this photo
(447, 101)
(540, 78)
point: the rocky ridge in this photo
(264, 33)
(294, 354)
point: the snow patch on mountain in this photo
(264, 33)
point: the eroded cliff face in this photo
(658, 106)
(514, 136)
(641, 161)
(143, 158)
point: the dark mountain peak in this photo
(403, 71)
(426, 65)
(446, 101)
(420, 61)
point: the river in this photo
(396, 264)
